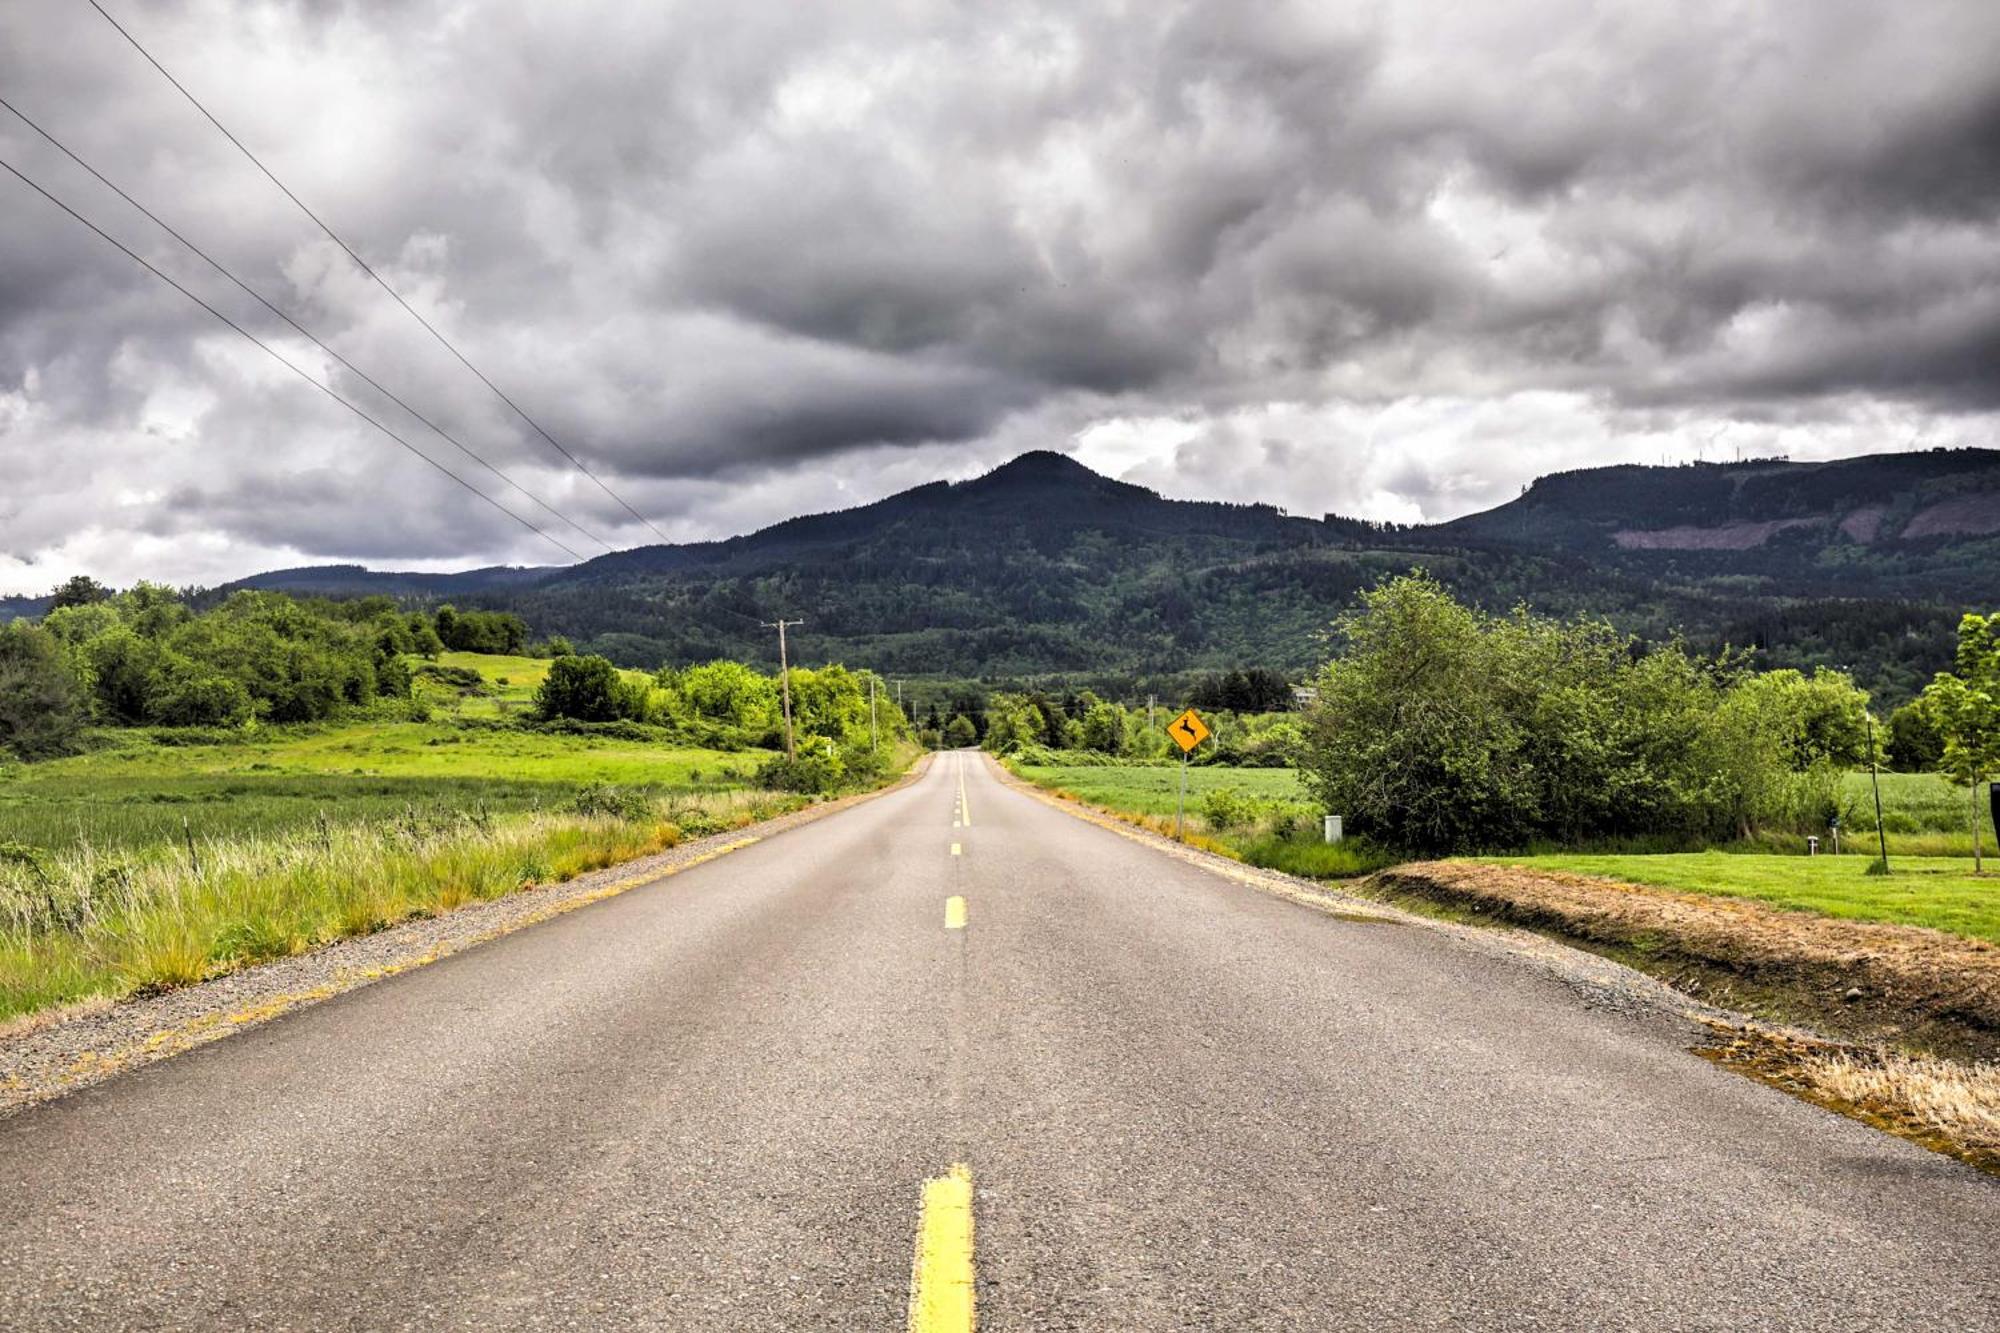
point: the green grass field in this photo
(1276, 827)
(1923, 814)
(1940, 892)
(1142, 790)
(139, 791)
(509, 690)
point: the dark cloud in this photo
(1394, 262)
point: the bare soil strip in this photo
(48, 1054)
(1855, 980)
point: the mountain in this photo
(358, 581)
(1907, 504)
(1044, 568)
(13, 608)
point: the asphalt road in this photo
(713, 1104)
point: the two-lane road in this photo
(714, 1103)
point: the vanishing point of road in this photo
(1047, 1069)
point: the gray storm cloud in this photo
(759, 258)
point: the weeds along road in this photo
(1180, 1104)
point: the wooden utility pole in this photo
(784, 677)
(1875, 781)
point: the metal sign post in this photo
(1188, 731)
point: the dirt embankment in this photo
(1910, 1017)
(1857, 980)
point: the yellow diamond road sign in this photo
(1188, 730)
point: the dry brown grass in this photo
(1947, 1105)
(1858, 979)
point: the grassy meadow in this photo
(1939, 892)
(160, 857)
(140, 788)
(1922, 814)
(1275, 824)
(1261, 816)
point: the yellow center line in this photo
(956, 850)
(941, 1278)
(954, 913)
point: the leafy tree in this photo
(587, 689)
(41, 707)
(725, 692)
(124, 671)
(557, 646)
(959, 732)
(81, 622)
(1103, 728)
(1966, 707)
(1915, 744)
(186, 695)
(500, 632)
(1440, 728)
(79, 590)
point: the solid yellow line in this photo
(941, 1279)
(954, 913)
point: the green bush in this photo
(603, 800)
(1443, 729)
(589, 689)
(814, 772)
(1228, 807)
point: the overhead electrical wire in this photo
(257, 296)
(363, 264)
(283, 360)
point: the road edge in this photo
(87, 1044)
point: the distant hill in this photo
(13, 608)
(1044, 568)
(357, 581)
(1899, 510)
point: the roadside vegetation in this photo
(186, 791)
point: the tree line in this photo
(146, 657)
(1442, 728)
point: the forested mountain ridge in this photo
(1044, 568)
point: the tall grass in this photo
(88, 923)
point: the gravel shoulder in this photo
(53, 1053)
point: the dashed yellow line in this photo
(941, 1278)
(954, 913)
(957, 850)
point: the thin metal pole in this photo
(1180, 801)
(1875, 780)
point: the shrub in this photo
(602, 800)
(814, 772)
(589, 689)
(1228, 807)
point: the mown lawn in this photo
(1939, 892)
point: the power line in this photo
(380, 281)
(281, 359)
(257, 296)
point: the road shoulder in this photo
(48, 1055)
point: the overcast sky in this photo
(1391, 259)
